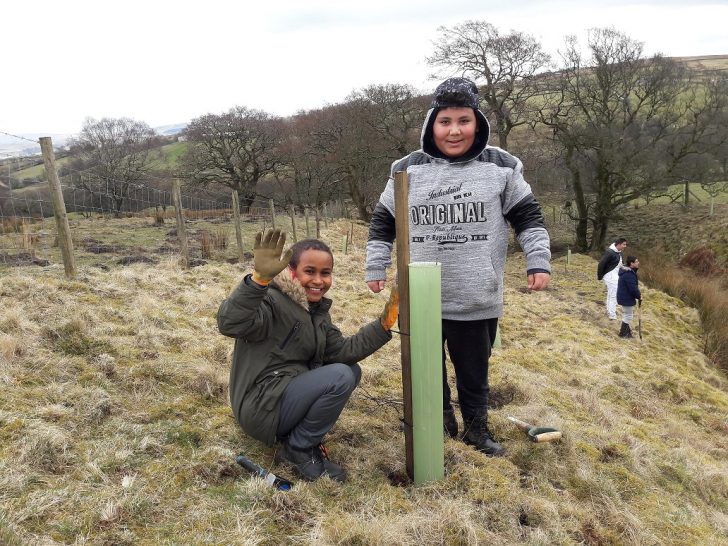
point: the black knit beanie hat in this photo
(455, 92)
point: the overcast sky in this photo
(168, 61)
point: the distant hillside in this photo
(705, 62)
(19, 147)
(11, 146)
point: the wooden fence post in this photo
(59, 207)
(292, 213)
(272, 213)
(238, 230)
(326, 220)
(27, 239)
(181, 232)
(401, 209)
(318, 222)
(308, 229)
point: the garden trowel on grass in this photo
(255, 469)
(537, 434)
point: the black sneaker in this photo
(307, 462)
(477, 435)
(449, 422)
(334, 471)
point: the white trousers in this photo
(611, 283)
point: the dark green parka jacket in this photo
(278, 337)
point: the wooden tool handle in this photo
(521, 424)
(547, 437)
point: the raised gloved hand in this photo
(391, 309)
(267, 259)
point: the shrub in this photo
(701, 260)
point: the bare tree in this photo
(114, 154)
(503, 65)
(308, 174)
(615, 115)
(698, 151)
(372, 128)
(236, 149)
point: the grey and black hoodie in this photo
(459, 211)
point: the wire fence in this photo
(118, 224)
(142, 228)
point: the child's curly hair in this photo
(307, 244)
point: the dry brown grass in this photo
(702, 285)
(116, 429)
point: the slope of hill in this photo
(116, 427)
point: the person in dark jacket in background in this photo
(293, 371)
(608, 272)
(628, 294)
(463, 194)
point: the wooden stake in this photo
(26, 235)
(181, 232)
(59, 207)
(292, 213)
(272, 213)
(238, 229)
(401, 206)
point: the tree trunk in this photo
(246, 201)
(599, 237)
(500, 127)
(118, 203)
(580, 200)
(358, 199)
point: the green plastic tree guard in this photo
(497, 340)
(426, 367)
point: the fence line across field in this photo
(28, 233)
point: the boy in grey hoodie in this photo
(463, 194)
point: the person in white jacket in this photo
(608, 272)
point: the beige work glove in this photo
(267, 259)
(391, 309)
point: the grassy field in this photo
(103, 241)
(167, 157)
(116, 427)
(37, 170)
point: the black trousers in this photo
(469, 343)
(313, 401)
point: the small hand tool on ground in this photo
(256, 470)
(537, 434)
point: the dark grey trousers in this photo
(313, 401)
